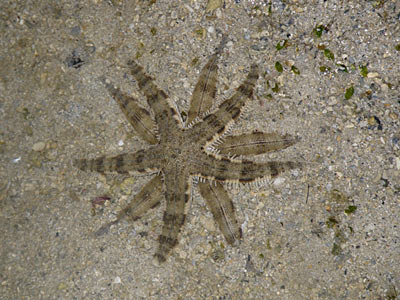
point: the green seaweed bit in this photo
(324, 69)
(199, 32)
(295, 70)
(275, 89)
(329, 54)
(342, 68)
(138, 54)
(153, 30)
(319, 30)
(353, 67)
(351, 229)
(278, 67)
(350, 209)
(194, 61)
(25, 113)
(336, 249)
(349, 93)
(269, 96)
(270, 8)
(282, 44)
(397, 47)
(268, 245)
(261, 256)
(364, 71)
(331, 222)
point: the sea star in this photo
(180, 153)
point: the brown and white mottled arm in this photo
(165, 115)
(177, 191)
(221, 206)
(140, 161)
(149, 197)
(139, 117)
(254, 143)
(216, 124)
(244, 171)
(205, 90)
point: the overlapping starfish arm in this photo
(222, 208)
(149, 197)
(166, 116)
(216, 124)
(254, 143)
(139, 117)
(177, 191)
(244, 171)
(141, 161)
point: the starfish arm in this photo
(177, 191)
(244, 171)
(139, 117)
(165, 115)
(205, 90)
(216, 124)
(221, 206)
(254, 143)
(141, 161)
(148, 198)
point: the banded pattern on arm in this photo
(215, 124)
(254, 143)
(141, 161)
(206, 87)
(166, 116)
(177, 191)
(149, 197)
(139, 117)
(244, 171)
(221, 206)
(205, 90)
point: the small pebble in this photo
(174, 15)
(39, 146)
(117, 280)
(278, 181)
(393, 116)
(398, 163)
(373, 75)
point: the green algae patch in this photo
(364, 71)
(329, 54)
(295, 70)
(349, 93)
(281, 45)
(350, 209)
(279, 67)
